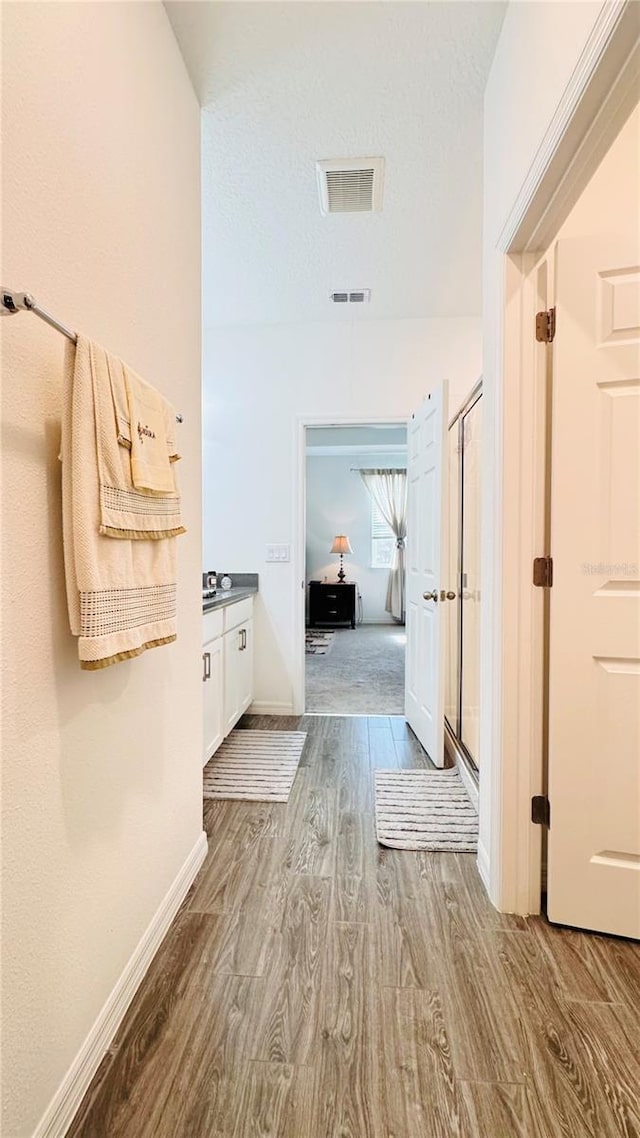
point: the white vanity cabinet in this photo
(238, 662)
(213, 697)
(213, 682)
(227, 670)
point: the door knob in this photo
(448, 596)
(432, 596)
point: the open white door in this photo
(594, 676)
(426, 561)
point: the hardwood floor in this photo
(316, 985)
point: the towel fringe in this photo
(141, 534)
(97, 665)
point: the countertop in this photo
(229, 597)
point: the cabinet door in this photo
(213, 697)
(233, 642)
(245, 668)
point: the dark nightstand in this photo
(332, 603)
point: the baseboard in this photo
(263, 707)
(455, 754)
(483, 867)
(59, 1115)
(470, 783)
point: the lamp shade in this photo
(341, 544)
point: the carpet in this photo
(259, 766)
(364, 675)
(317, 643)
(424, 810)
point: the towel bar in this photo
(13, 302)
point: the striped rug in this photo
(259, 766)
(318, 643)
(424, 810)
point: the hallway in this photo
(315, 985)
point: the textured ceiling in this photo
(285, 84)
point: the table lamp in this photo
(341, 546)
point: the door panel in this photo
(594, 671)
(426, 571)
(213, 698)
(245, 669)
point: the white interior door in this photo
(594, 677)
(426, 562)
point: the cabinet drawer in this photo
(238, 613)
(332, 604)
(212, 625)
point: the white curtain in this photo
(388, 488)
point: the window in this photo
(383, 543)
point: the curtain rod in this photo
(13, 302)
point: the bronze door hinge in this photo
(540, 810)
(543, 572)
(546, 326)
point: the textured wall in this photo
(101, 771)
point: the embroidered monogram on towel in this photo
(150, 465)
(128, 512)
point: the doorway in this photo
(354, 634)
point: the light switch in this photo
(278, 553)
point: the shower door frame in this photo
(455, 738)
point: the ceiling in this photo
(285, 84)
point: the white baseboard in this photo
(470, 784)
(482, 862)
(59, 1115)
(263, 707)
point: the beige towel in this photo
(150, 466)
(121, 594)
(126, 511)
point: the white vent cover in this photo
(350, 185)
(353, 296)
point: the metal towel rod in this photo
(13, 302)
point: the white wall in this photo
(258, 381)
(536, 59)
(101, 770)
(339, 502)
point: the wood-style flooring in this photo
(316, 985)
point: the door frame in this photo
(299, 527)
(595, 104)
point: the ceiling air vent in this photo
(355, 296)
(350, 185)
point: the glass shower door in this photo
(451, 611)
(470, 582)
(462, 619)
